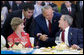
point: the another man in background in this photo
(69, 10)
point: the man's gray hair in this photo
(46, 8)
(69, 19)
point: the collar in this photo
(69, 8)
(22, 33)
(47, 20)
(51, 19)
(22, 15)
(67, 28)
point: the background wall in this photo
(60, 2)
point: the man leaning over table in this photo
(73, 37)
(46, 27)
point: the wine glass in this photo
(10, 42)
(57, 40)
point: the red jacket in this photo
(13, 38)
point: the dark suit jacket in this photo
(79, 15)
(29, 26)
(41, 27)
(65, 11)
(64, 6)
(15, 7)
(8, 5)
(75, 36)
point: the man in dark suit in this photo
(70, 36)
(46, 27)
(70, 10)
(9, 4)
(79, 14)
(26, 13)
(64, 6)
(17, 5)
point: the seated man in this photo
(71, 36)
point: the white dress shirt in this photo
(69, 8)
(23, 16)
(65, 36)
(47, 23)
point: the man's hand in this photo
(10, 10)
(74, 46)
(43, 37)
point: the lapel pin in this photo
(71, 33)
(54, 20)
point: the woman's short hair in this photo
(15, 22)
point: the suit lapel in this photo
(72, 10)
(45, 28)
(53, 22)
(19, 14)
(66, 10)
(43, 25)
(70, 36)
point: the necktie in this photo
(62, 36)
(69, 11)
(49, 26)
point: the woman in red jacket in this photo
(18, 36)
